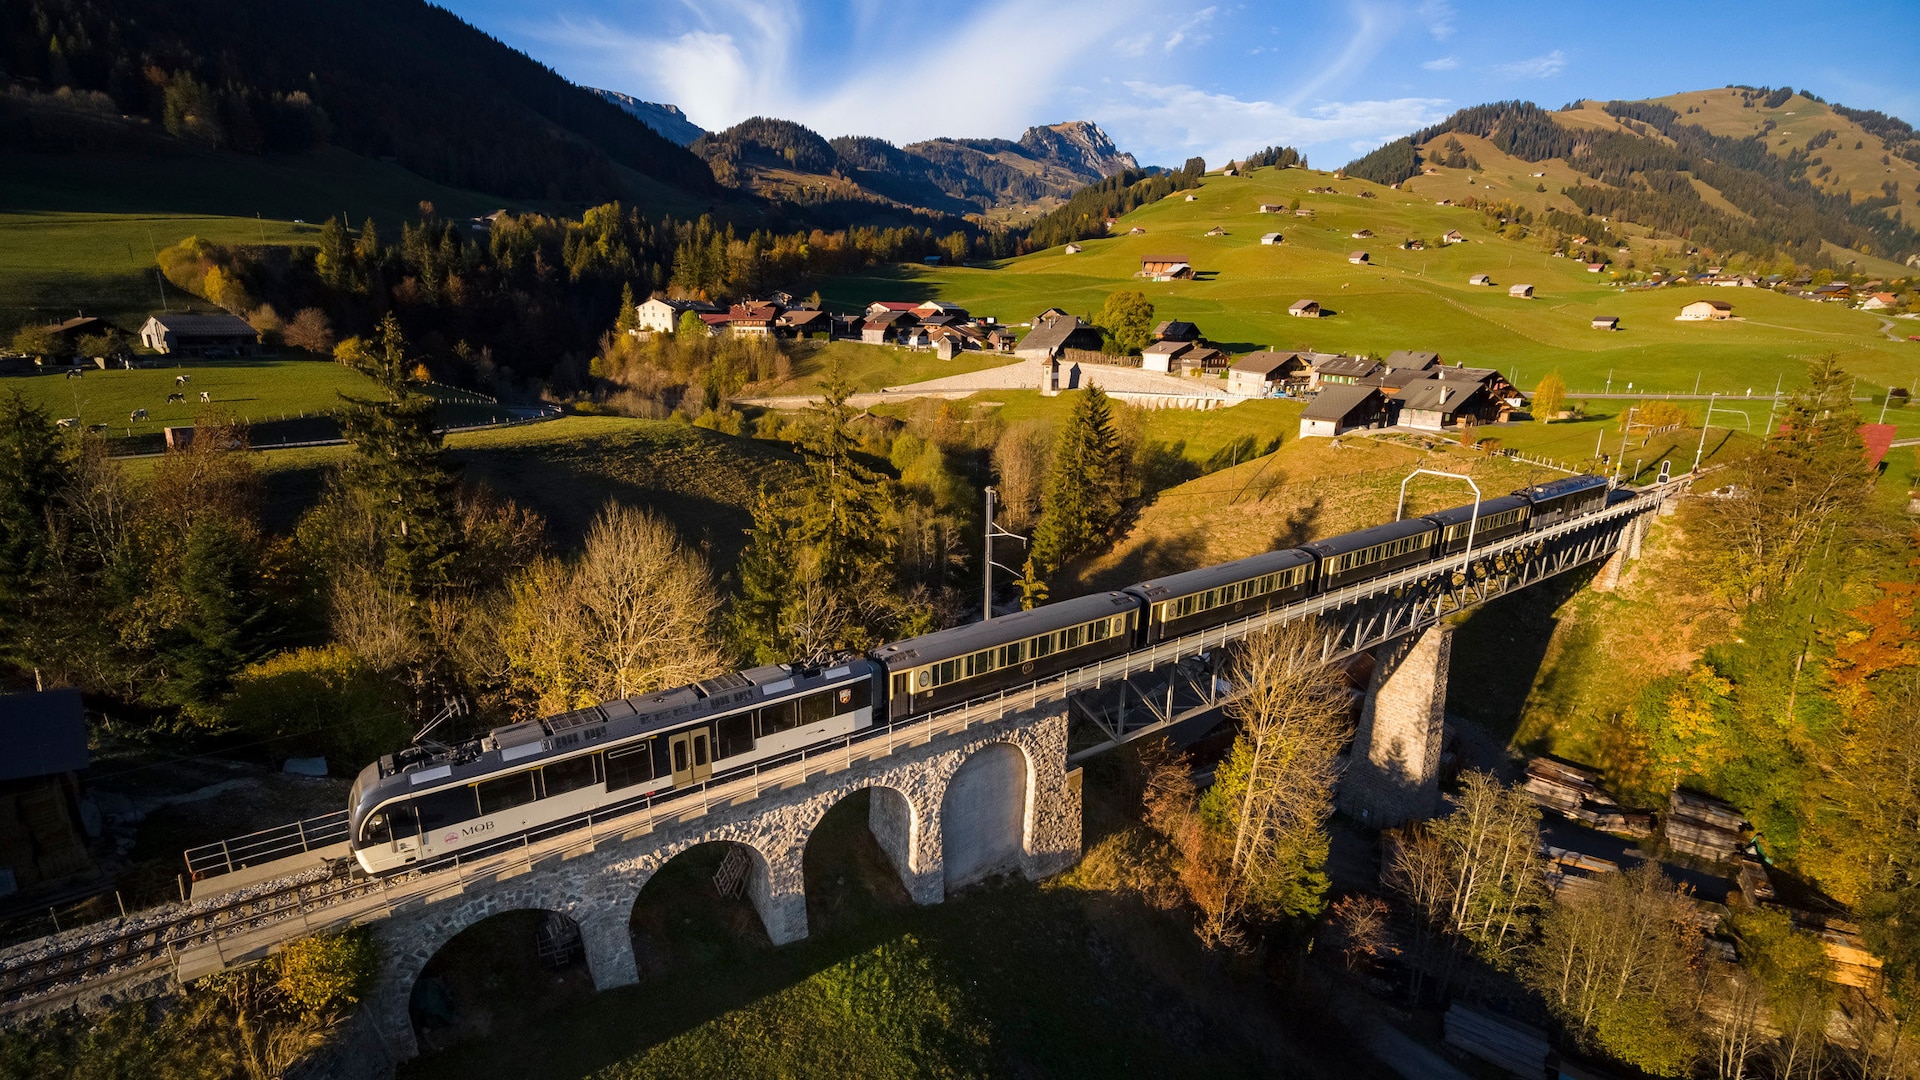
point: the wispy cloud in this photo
(1441, 63)
(1184, 120)
(1538, 67)
(1438, 15)
(1190, 30)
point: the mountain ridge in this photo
(666, 120)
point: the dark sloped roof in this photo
(1409, 358)
(1052, 334)
(1353, 366)
(190, 323)
(1443, 396)
(42, 734)
(1268, 362)
(1335, 402)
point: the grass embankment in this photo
(1408, 299)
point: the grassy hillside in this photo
(1408, 299)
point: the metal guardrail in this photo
(265, 846)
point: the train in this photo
(429, 801)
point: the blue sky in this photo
(1172, 78)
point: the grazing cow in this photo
(181, 380)
(138, 414)
(96, 427)
(70, 421)
(73, 373)
(176, 399)
(205, 396)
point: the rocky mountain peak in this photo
(1079, 145)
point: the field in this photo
(1412, 299)
(871, 367)
(250, 390)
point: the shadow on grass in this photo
(1498, 651)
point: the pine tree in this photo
(224, 612)
(31, 477)
(1081, 498)
(1033, 590)
(629, 318)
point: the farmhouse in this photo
(1435, 404)
(1176, 330)
(806, 322)
(750, 325)
(1413, 360)
(1594, 268)
(1260, 374)
(1203, 360)
(1337, 369)
(1271, 208)
(1165, 268)
(1706, 310)
(1271, 239)
(1074, 249)
(660, 315)
(1520, 292)
(1343, 408)
(1358, 258)
(1879, 301)
(1415, 244)
(1163, 355)
(1053, 335)
(1606, 322)
(1136, 231)
(1216, 231)
(1305, 309)
(1363, 234)
(200, 335)
(1480, 279)
(1453, 237)
(881, 327)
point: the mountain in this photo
(964, 177)
(667, 120)
(1767, 174)
(400, 80)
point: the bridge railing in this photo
(265, 846)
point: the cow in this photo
(70, 421)
(138, 414)
(96, 427)
(74, 373)
(205, 397)
(181, 380)
(176, 399)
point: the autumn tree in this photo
(1549, 398)
(1126, 320)
(310, 330)
(37, 340)
(1080, 499)
(1020, 465)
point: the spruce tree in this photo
(223, 613)
(1081, 498)
(629, 318)
(32, 475)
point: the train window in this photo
(1013, 655)
(735, 734)
(375, 829)
(857, 696)
(630, 765)
(1042, 646)
(816, 707)
(900, 683)
(699, 748)
(569, 775)
(444, 808)
(1097, 630)
(949, 671)
(506, 792)
(680, 756)
(980, 663)
(778, 717)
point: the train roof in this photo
(1566, 485)
(961, 640)
(1621, 494)
(1193, 581)
(1379, 534)
(1460, 515)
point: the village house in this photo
(1520, 292)
(1453, 237)
(1165, 268)
(1836, 290)
(928, 310)
(659, 315)
(1606, 322)
(716, 322)
(1203, 359)
(1339, 409)
(1480, 279)
(1594, 268)
(1216, 231)
(1338, 369)
(882, 327)
(180, 334)
(1272, 208)
(1706, 310)
(1412, 360)
(745, 326)
(1001, 339)
(1415, 244)
(1305, 309)
(1261, 374)
(1162, 355)
(1879, 301)
(1435, 404)
(1270, 239)
(1053, 334)
(807, 323)
(1358, 258)
(1176, 330)
(1073, 249)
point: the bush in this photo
(326, 974)
(319, 700)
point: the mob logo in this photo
(452, 838)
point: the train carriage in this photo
(1569, 497)
(1370, 553)
(1498, 519)
(946, 668)
(1198, 600)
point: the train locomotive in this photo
(426, 802)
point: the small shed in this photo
(1358, 258)
(1363, 234)
(1480, 279)
(1706, 311)
(1216, 231)
(1074, 249)
(1606, 322)
(1271, 239)
(1305, 309)
(1453, 235)
(1191, 197)
(1339, 409)
(1520, 292)
(1163, 355)
(1272, 208)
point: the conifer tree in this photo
(629, 318)
(31, 476)
(1081, 498)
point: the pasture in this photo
(249, 390)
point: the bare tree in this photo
(1172, 809)
(1734, 1023)
(310, 330)
(1020, 461)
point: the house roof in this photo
(1717, 305)
(1356, 255)
(803, 316)
(1052, 334)
(1351, 366)
(1169, 260)
(1176, 328)
(42, 734)
(892, 305)
(191, 324)
(1606, 319)
(81, 322)
(1335, 402)
(1266, 363)
(1444, 396)
(1408, 358)
(1303, 305)
(1167, 348)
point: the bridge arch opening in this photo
(858, 859)
(699, 909)
(983, 815)
(497, 974)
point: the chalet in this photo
(1271, 239)
(1606, 322)
(1165, 268)
(1412, 360)
(1001, 339)
(1272, 208)
(1260, 374)
(1706, 311)
(927, 310)
(1520, 292)
(882, 307)
(744, 326)
(43, 748)
(916, 336)
(1305, 309)
(806, 323)
(200, 335)
(1415, 244)
(1837, 290)
(878, 329)
(1052, 336)
(1164, 355)
(1879, 301)
(1337, 369)
(1480, 279)
(1363, 234)
(1050, 313)
(716, 321)
(1073, 249)
(946, 346)
(78, 327)
(1216, 231)
(1594, 268)
(660, 315)
(1176, 330)
(1438, 402)
(1358, 258)
(1453, 237)
(1203, 360)
(1340, 409)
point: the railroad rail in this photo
(199, 937)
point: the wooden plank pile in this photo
(1513, 1046)
(1754, 885)
(1852, 964)
(1704, 828)
(1575, 793)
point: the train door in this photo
(404, 824)
(692, 753)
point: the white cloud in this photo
(1438, 15)
(1442, 63)
(1538, 67)
(1179, 121)
(1190, 30)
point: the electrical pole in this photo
(986, 567)
(1704, 422)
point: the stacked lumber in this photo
(1704, 828)
(1751, 879)
(1852, 964)
(1513, 1046)
(1575, 793)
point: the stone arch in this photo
(985, 814)
(773, 884)
(894, 823)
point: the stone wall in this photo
(1394, 773)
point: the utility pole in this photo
(1625, 430)
(1609, 380)
(986, 569)
(1771, 406)
(1704, 422)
